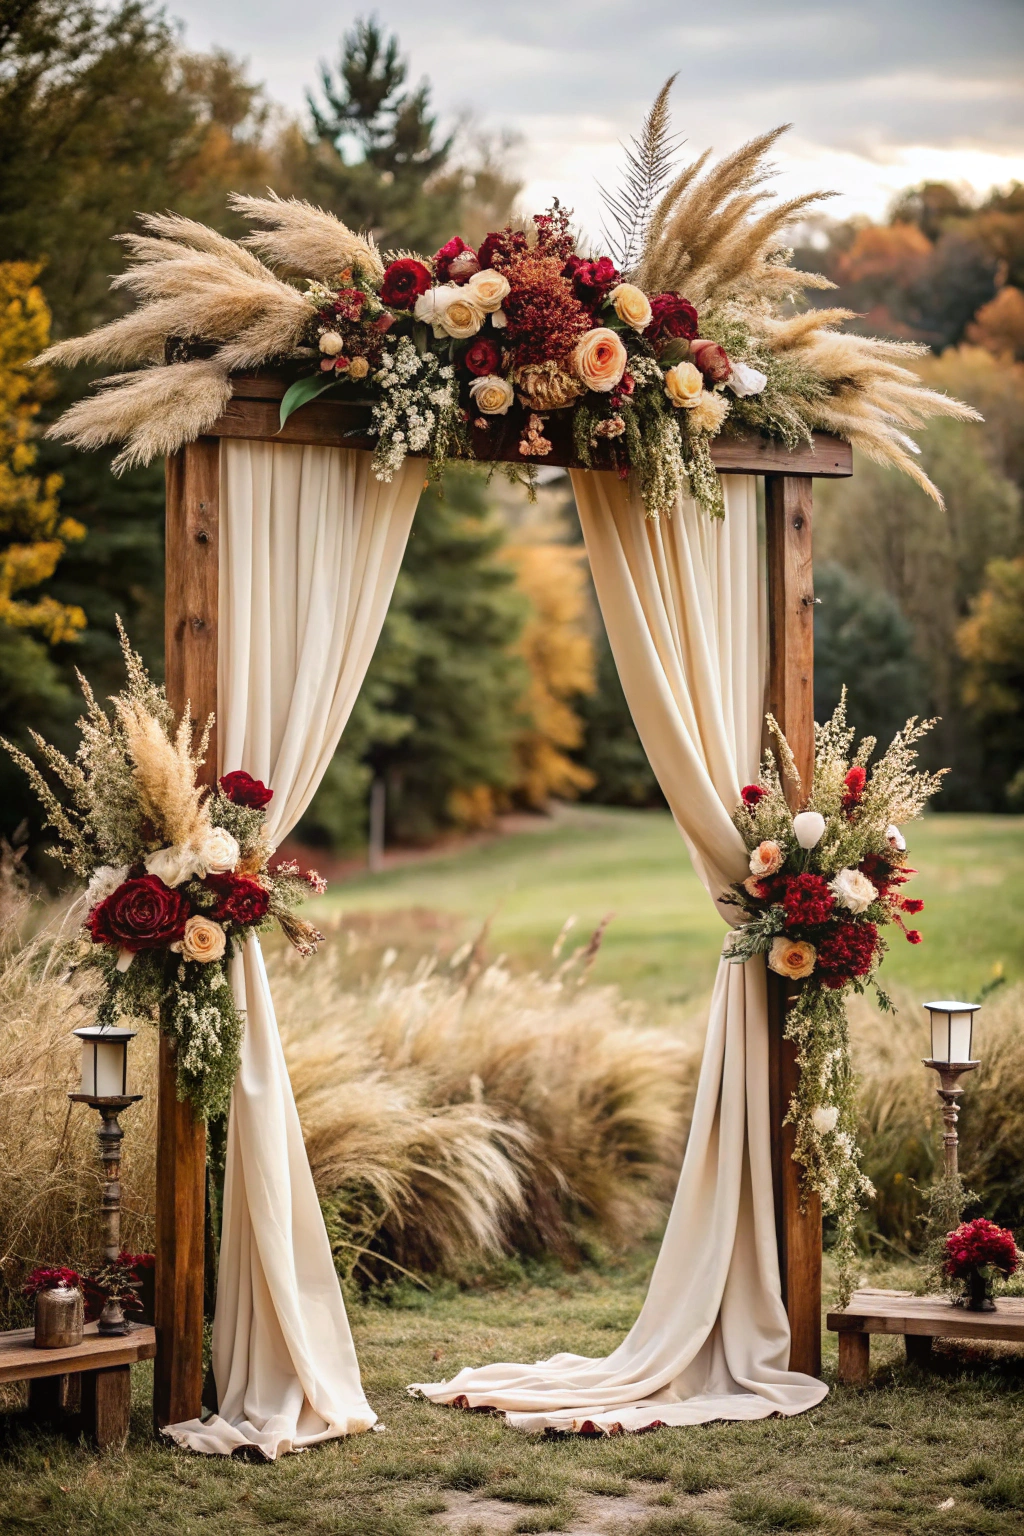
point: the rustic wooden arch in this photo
(190, 627)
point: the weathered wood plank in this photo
(928, 1316)
(21, 1361)
(107, 1406)
(854, 1359)
(788, 500)
(190, 634)
(254, 413)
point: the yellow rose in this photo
(792, 957)
(684, 385)
(203, 939)
(600, 359)
(632, 306)
(488, 289)
(492, 395)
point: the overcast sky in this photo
(881, 93)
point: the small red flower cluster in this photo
(807, 901)
(979, 1242)
(846, 950)
(855, 782)
(49, 1280)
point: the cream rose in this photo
(104, 883)
(765, 859)
(744, 380)
(488, 289)
(600, 359)
(894, 837)
(853, 890)
(825, 1119)
(492, 395)
(217, 852)
(451, 310)
(331, 343)
(203, 940)
(174, 865)
(632, 306)
(684, 385)
(792, 958)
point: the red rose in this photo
(591, 280)
(482, 357)
(403, 283)
(752, 795)
(808, 900)
(242, 789)
(979, 1242)
(141, 914)
(855, 781)
(240, 900)
(712, 361)
(671, 315)
(845, 951)
(456, 262)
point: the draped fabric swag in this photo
(684, 604)
(311, 544)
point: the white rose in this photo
(451, 310)
(853, 890)
(492, 395)
(744, 380)
(488, 289)
(218, 852)
(825, 1118)
(809, 828)
(174, 865)
(894, 837)
(104, 882)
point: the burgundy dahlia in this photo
(845, 951)
(242, 789)
(752, 795)
(808, 900)
(671, 315)
(240, 899)
(141, 914)
(404, 281)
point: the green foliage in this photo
(611, 748)
(992, 643)
(862, 642)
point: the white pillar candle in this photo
(951, 1030)
(103, 1068)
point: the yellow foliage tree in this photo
(557, 648)
(33, 535)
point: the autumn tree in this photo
(991, 641)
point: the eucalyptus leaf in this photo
(304, 390)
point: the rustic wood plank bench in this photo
(920, 1319)
(103, 1365)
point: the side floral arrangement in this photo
(974, 1254)
(689, 322)
(178, 876)
(823, 885)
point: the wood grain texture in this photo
(107, 1406)
(21, 1361)
(854, 1359)
(930, 1316)
(190, 635)
(254, 413)
(788, 504)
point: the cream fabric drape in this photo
(311, 544)
(683, 601)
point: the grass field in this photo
(663, 943)
(937, 1454)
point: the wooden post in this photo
(190, 638)
(788, 503)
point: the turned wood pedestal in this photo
(102, 1366)
(920, 1319)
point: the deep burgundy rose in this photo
(242, 789)
(482, 357)
(403, 283)
(855, 781)
(752, 795)
(456, 262)
(141, 914)
(808, 900)
(979, 1242)
(239, 899)
(846, 950)
(712, 361)
(591, 280)
(671, 315)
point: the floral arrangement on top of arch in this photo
(691, 324)
(822, 887)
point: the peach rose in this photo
(792, 958)
(488, 289)
(765, 859)
(632, 306)
(600, 359)
(684, 385)
(204, 940)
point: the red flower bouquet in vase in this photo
(976, 1252)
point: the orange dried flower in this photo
(545, 319)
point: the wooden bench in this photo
(920, 1319)
(103, 1366)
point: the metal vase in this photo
(979, 1297)
(60, 1317)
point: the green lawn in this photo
(662, 945)
(936, 1454)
